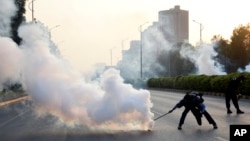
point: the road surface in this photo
(19, 122)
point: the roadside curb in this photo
(13, 101)
(9, 97)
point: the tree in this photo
(17, 20)
(240, 46)
(173, 63)
(222, 47)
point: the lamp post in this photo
(32, 10)
(52, 29)
(201, 28)
(140, 29)
(122, 43)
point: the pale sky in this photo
(88, 29)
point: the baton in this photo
(161, 116)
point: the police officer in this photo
(232, 92)
(193, 101)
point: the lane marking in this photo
(221, 139)
(13, 118)
(155, 112)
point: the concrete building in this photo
(129, 66)
(174, 23)
(133, 52)
(148, 57)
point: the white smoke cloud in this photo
(152, 50)
(153, 44)
(10, 64)
(203, 58)
(206, 63)
(7, 11)
(58, 89)
(121, 103)
(247, 69)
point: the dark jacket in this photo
(190, 100)
(234, 85)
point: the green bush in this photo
(214, 83)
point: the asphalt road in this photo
(19, 122)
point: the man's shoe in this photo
(215, 126)
(240, 112)
(179, 128)
(229, 111)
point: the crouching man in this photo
(193, 102)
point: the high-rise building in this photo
(150, 56)
(174, 24)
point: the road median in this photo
(8, 97)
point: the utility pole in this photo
(52, 29)
(201, 28)
(32, 10)
(140, 29)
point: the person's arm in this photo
(172, 109)
(178, 105)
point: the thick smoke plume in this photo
(161, 57)
(7, 11)
(203, 58)
(10, 65)
(58, 89)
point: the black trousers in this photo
(209, 118)
(195, 112)
(232, 96)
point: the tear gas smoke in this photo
(10, 65)
(205, 62)
(7, 11)
(156, 57)
(203, 58)
(247, 69)
(153, 44)
(58, 89)
(152, 51)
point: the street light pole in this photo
(201, 28)
(52, 29)
(140, 29)
(32, 10)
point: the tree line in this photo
(234, 54)
(204, 83)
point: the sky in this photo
(86, 31)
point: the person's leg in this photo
(197, 114)
(227, 100)
(210, 119)
(183, 116)
(236, 105)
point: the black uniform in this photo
(193, 101)
(232, 92)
